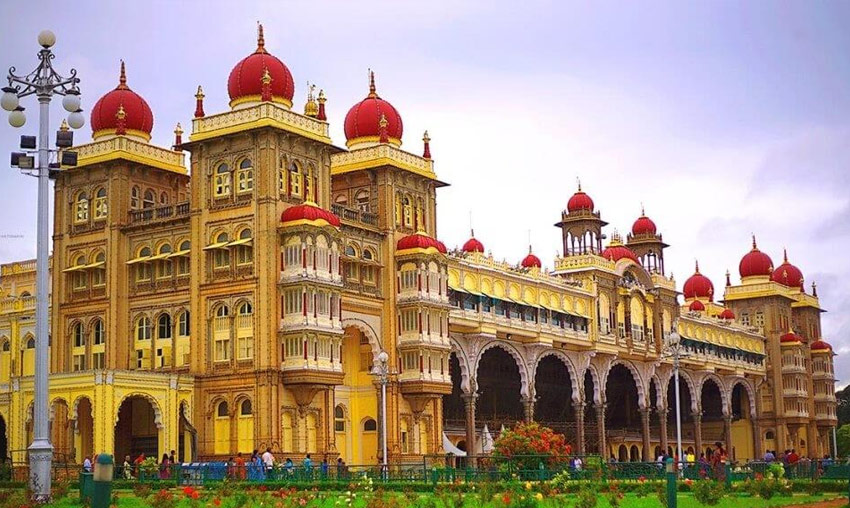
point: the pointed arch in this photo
(721, 387)
(751, 392)
(368, 332)
(636, 376)
(516, 355)
(560, 355)
(467, 381)
(157, 411)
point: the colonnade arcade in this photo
(602, 404)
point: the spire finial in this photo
(261, 40)
(696, 266)
(426, 140)
(322, 99)
(311, 108)
(64, 127)
(754, 242)
(785, 254)
(199, 103)
(178, 137)
(372, 89)
(814, 289)
(642, 210)
(122, 77)
(728, 280)
(578, 181)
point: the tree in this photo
(843, 438)
(530, 444)
(843, 409)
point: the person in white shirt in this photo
(87, 465)
(268, 459)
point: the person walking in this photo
(308, 467)
(239, 465)
(268, 462)
(128, 468)
(165, 467)
(87, 465)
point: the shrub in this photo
(586, 497)
(708, 492)
(163, 499)
(529, 443)
(661, 494)
(775, 470)
(614, 495)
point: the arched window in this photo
(295, 188)
(246, 309)
(221, 255)
(368, 270)
(144, 270)
(5, 346)
(370, 425)
(78, 335)
(244, 248)
(79, 274)
(98, 273)
(221, 187)
(163, 198)
(341, 199)
(407, 212)
(351, 268)
(183, 258)
(163, 267)
(149, 201)
(222, 334)
(339, 419)
(221, 410)
(309, 184)
(367, 255)
(25, 294)
(361, 199)
(143, 328)
(245, 331)
(135, 198)
(183, 324)
(163, 328)
(281, 176)
(222, 311)
(98, 333)
(246, 409)
(31, 342)
(245, 177)
(81, 208)
(100, 208)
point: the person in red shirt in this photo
(793, 458)
(240, 467)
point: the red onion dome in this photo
(441, 247)
(617, 251)
(122, 111)
(249, 76)
(787, 274)
(790, 338)
(363, 120)
(727, 314)
(473, 245)
(820, 346)
(531, 261)
(308, 213)
(696, 306)
(755, 263)
(580, 201)
(698, 285)
(420, 240)
(643, 225)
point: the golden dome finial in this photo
(261, 40)
(785, 254)
(642, 210)
(178, 130)
(310, 107)
(426, 138)
(696, 266)
(122, 77)
(64, 127)
(578, 181)
(200, 93)
(322, 97)
(372, 90)
(755, 247)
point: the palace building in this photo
(233, 291)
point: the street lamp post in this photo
(43, 82)
(676, 351)
(382, 370)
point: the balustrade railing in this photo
(159, 213)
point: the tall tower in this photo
(581, 227)
(647, 244)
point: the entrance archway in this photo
(621, 396)
(554, 389)
(742, 444)
(137, 430)
(686, 407)
(454, 414)
(499, 387)
(591, 424)
(61, 432)
(84, 434)
(4, 441)
(712, 415)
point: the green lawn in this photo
(361, 500)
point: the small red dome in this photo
(245, 83)
(138, 116)
(698, 286)
(473, 245)
(441, 247)
(309, 212)
(617, 251)
(755, 263)
(727, 314)
(787, 274)
(531, 260)
(363, 120)
(696, 305)
(419, 241)
(790, 337)
(821, 345)
(643, 226)
(580, 201)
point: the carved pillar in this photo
(697, 433)
(757, 440)
(469, 404)
(579, 409)
(727, 433)
(644, 420)
(528, 408)
(662, 420)
(600, 424)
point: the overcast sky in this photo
(723, 118)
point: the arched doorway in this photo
(634, 454)
(742, 445)
(591, 425)
(4, 441)
(137, 429)
(187, 440)
(357, 394)
(685, 406)
(499, 388)
(712, 415)
(84, 434)
(622, 453)
(654, 420)
(61, 432)
(554, 390)
(622, 418)
(454, 413)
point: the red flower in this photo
(506, 498)
(263, 488)
(188, 490)
(196, 495)
(217, 502)
(642, 478)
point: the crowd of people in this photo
(263, 466)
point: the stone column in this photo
(469, 404)
(644, 420)
(697, 434)
(757, 451)
(662, 419)
(528, 408)
(579, 409)
(600, 424)
(727, 433)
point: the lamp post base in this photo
(41, 459)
